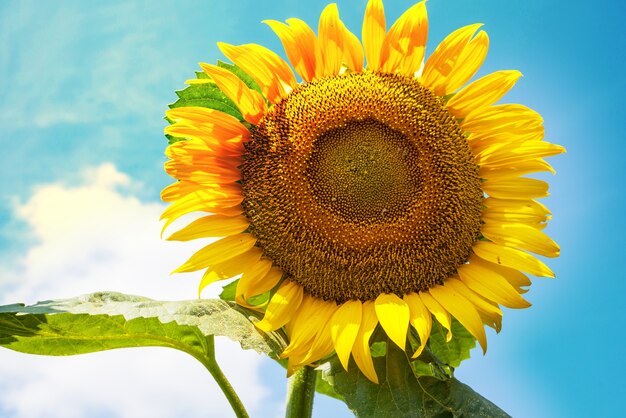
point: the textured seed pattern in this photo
(362, 184)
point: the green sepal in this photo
(451, 353)
(206, 95)
(210, 96)
(243, 76)
(229, 292)
(378, 349)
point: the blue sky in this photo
(83, 91)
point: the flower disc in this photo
(361, 184)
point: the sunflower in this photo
(389, 194)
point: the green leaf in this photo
(206, 95)
(456, 350)
(229, 291)
(104, 321)
(403, 394)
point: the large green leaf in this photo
(404, 394)
(103, 321)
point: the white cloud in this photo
(95, 236)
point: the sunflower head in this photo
(388, 194)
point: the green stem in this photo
(300, 392)
(210, 362)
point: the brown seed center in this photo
(362, 184)
(364, 172)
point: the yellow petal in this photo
(516, 278)
(302, 47)
(442, 316)
(287, 38)
(489, 312)
(271, 73)
(403, 48)
(188, 172)
(178, 190)
(483, 140)
(421, 319)
(468, 63)
(456, 60)
(250, 64)
(200, 200)
(323, 342)
(511, 154)
(352, 51)
(252, 274)
(483, 92)
(256, 284)
(516, 169)
(462, 309)
(521, 236)
(276, 65)
(512, 258)
(211, 226)
(250, 103)
(227, 126)
(393, 314)
(303, 327)
(516, 188)
(522, 208)
(490, 284)
(210, 165)
(331, 39)
(228, 211)
(501, 118)
(204, 200)
(198, 150)
(443, 60)
(361, 349)
(211, 148)
(217, 139)
(374, 32)
(338, 44)
(310, 49)
(217, 252)
(282, 306)
(344, 327)
(230, 268)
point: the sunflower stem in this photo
(300, 392)
(210, 362)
